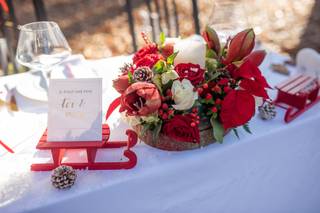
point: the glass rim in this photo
(25, 26)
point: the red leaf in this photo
(237, 108)
(248, 70)
(254, 88)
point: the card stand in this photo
(297, 94)
(58, 148)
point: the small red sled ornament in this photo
(58, 149)
(297, 94)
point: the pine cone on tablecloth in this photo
(267, 111)
(127, 67)
(143, 74)
(63, 177)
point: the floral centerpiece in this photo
(184, 94)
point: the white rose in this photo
(183, 94)
(191, 50)
(169, 75)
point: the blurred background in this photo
(101, 28)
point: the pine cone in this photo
(127, 67)
(143, 74)
(63, 177)
(267, 111)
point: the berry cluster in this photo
(212, 93)
(195, 117)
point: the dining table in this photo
(274, 169)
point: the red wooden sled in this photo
(297, 94)
(58, 149)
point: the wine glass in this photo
(227, 18)
(41, 46)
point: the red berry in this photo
(198, 117)
(205, 86)
(168, 92)
(217, 89)
(197, 122)
(165, 106)
(226, 89)
(218, 101)
(163, 98)
(214, 109)
(200, 90)
(208, 96)
(160, 111)
(164, 116)
(193, 124)
(170, 112)
(195, 109)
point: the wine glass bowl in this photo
(41, 45)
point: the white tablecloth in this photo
(276, 169)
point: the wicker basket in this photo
(166, 143)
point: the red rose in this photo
(121, 83)
(140, 98)
(180, 129)
(149, 60)
(148, 49)
(192, 72)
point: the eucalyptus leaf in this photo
(218, 130)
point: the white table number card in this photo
(75, 110)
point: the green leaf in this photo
(210, 53)
(156, 131)
(160, 67)
(214, 76)
(162, 38)
(217, 128)
(246, 128)
(211, 64)
(171, 58)
(130, 78)
(157, 81)
(235, 131)
(144, 130)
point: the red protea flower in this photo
(140, 98)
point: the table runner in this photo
(273, 170)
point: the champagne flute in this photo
(41, 46)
